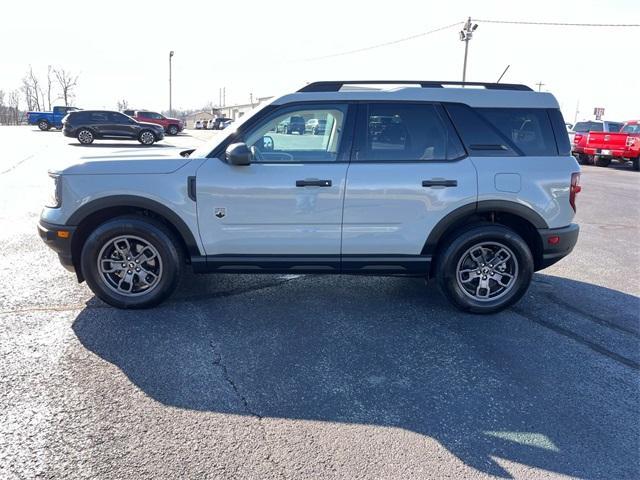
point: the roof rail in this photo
(335, 86)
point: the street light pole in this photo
(466, 34)
(170, 106)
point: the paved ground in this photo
(316, 377)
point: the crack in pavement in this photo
(218, 362)
(596, 347)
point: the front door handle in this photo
(313, 183)
(439, 183)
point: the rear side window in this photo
(406, 132)
(98, 117)
(529, 129)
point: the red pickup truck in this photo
(172, 126)
(623, 145)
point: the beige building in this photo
(236, 111)
(191, 119)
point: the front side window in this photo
(529, 129)
(99, 117)
(283, 136)
(119, 118)
(631, 128)
(615, 127)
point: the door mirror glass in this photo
(238, 154)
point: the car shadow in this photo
(122, 145)
(388, 352)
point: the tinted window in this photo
(99, 117)
(614, 127)
(119, 118)
(78, 117)
(478, 135)
(632, 128)
(405, 131)
(272, 142)
(562, 139)
(529, 129)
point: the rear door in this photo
(288, 202)
(408, 170)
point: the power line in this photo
(558, 24)
(380, 45)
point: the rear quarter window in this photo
(529, 129)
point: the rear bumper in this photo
(58, 242)
(557, 243)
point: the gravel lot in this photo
(316, 376)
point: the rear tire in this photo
(602, 162)
(85, 136)
(108, 262)
(44, 125)
(636, 163)
(484, 268)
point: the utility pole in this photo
(540, 85)
(466, 34)
(575, 118)
(170, 105)
(224, 96)
(251, 98)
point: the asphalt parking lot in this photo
(316, 376)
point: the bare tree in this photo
(2, 108)
(49, 86)
(67, 83)
(31, 89)
(123, 105)
(14, 106)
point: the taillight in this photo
(631, 141)
(577, 137)
(574, 190)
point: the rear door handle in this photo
(439, 183)
(313, 183)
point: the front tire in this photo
(132, 262)
(484, 269)
(44, 125)
(172, 130)
(146, 137)
(85, 137)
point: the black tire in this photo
(455, 252)
(147, 137)
(602, 162)
(636, 163)
(583, 159)
(172, 130)
(85, 136)
(44, 125)
(148, 230)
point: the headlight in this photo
(53, 194)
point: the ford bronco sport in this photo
(472, 187)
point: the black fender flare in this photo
(484, 206)
(134, 201)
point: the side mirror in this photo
(238, 154)
(186, 153)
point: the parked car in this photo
(315, 126)
(622, 146)
(578, 137)
(292, 124)
(172, 126)
(479, 194)
(218, 123)
(200, 124)
(89, 125)
(48, 120)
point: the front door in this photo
(286, 206)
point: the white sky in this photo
(120, 48)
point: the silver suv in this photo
(472, 187)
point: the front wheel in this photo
(85, 137)
(132, 262)
(147, 138)
(172, 130)
(485, 269)
(44, 125)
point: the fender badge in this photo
(220, 212)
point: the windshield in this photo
(219, 135)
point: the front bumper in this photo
(557, 243)
(58, 238)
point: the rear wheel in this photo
(602, 161)
(132, 262)
(636, 163)
(583, 159)
(44, 125)
(85, 137)
(147, 137)
(485, 269)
